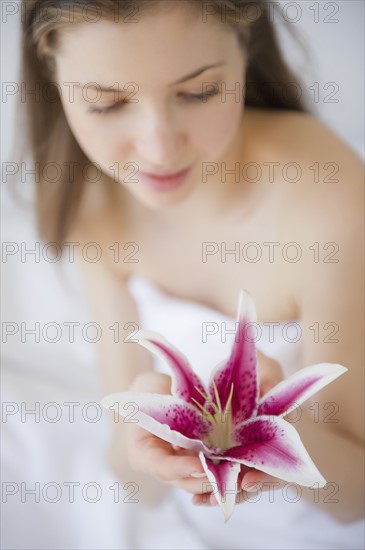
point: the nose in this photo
(159, 140)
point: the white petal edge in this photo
(328, 372)
(229, 499)
(246, 307)
(142, 337)
(126, 404)
(306, 475)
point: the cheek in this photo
(215, 130)
(85, 129)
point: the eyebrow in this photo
(180, 81)
(197, 73)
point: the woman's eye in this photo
(190, 97)
(202, 97)
(108, 109)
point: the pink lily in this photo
(227, 423)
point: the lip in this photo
(164, 182)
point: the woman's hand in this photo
(182, 468)
(149, 454)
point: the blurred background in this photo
(38, 366)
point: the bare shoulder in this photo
(319, 192)
(301, 135)
(320, 175)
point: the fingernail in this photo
(197, 474)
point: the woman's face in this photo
(160, 127)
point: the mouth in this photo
(164, 182)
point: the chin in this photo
(158, 200)
(164, 201)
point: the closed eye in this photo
(201, 97)
(120, 104)
(109, 108)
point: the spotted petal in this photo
(290, 393)
(223, 477)
(240, 368)
(165, 416)
(184, 380)
(274, 446)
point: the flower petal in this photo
(223, 476)
(184, 379)
(241, 367)
(165, 416)
(272, 445)
(290, 393)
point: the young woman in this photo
(147, 106)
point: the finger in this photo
(255, 480)
(209, 499)
(193, 486)
(203, 499)
(151, 455)
(156, 457)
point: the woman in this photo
(132, 94)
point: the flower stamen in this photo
(229, 398)
(217, 398)
(228, 420)
(204, 411)
(207, 399)
(220, 418)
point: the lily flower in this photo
(226, 423)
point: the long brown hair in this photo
(49, 138)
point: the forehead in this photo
(161, 46)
